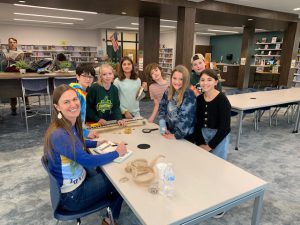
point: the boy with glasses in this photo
(85, 75)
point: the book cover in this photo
(274, 40)
(110, 147)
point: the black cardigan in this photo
(215, 115)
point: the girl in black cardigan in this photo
(213, 116)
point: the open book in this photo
(110, 147)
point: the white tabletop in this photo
(259, 99)
(203, 182)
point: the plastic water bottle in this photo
(162, 126)
(169, 180)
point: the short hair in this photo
(196, 57)
(209, 72)
(61, 57)
(11, 38)
(151, 67)
(85, 68)
(122, 76)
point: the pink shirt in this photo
(156, 90)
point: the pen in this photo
(114, 145)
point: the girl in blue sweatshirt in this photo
(68, 159)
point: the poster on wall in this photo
(224, 69)
(243, 61)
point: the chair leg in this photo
(112, 222)
(25, 112)
(78, 221)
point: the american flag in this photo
(114, 41)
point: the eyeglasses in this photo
(87, 76)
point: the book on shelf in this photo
(266, 46)
(263, 40)
(277, 46)
(274, 40)
(259, 69)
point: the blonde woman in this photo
(102, 101)
(178, 105)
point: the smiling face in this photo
(156, 74)
(177, 80)
(69, 105)
(127, 67)
(198, 65)
(85, 80)
(106, 75)
(207, 83)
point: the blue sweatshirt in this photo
(180, 120)
(69, 169)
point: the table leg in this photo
(257, 209)
(297, 119)
(239, 130)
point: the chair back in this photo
(63, 80)
(232, 92)
(35, 86)
(55, 192)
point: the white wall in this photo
(48, 35)
(201, 40)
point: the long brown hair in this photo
(61, 123)
(185, 84)
(122, 76)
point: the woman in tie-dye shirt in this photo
(178, 105)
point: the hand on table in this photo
(206, 147)
(92, 134)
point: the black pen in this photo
(114, 145)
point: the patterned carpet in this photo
(272, 154)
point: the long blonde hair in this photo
(61, 123)
(100, 71)
(185, 84)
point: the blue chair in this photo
(63, 80)
(37, 87)
(63, 215)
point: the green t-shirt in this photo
(102, 103)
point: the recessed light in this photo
(42, 21)
(58, 9)
(135, 24)
(47, 16)
(123, 13)
(127, 28)
(250, 19)
(223, 31)
(22, 1)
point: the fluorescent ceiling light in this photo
(58, 17)
(58, 9)
(174, 21)
(164, 26)
(127, 28)
(123, 13)
(206, 33)
(41, 21)
(223, 31)
(22, 1)
(296, 9)
(260, 30)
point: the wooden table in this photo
(205, 185)
(255, 100)
(10, 83)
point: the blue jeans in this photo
(222, 148)
(95, 188)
